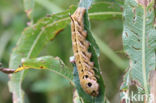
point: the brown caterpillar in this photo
(80, 45)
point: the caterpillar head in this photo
(90, 86)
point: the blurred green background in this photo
(47, 87)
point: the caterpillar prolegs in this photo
(83, 62)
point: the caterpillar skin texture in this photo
(80, 45)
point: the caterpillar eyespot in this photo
(80, 45)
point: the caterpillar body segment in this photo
(82, 56)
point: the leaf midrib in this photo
(143, 51)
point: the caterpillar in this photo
(83, 61)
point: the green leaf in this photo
(30, 44)
(139, 40)
(51, 83)
(104, 10)
(49, 63)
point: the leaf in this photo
(121, 2)
(30, 44)
(139, 40)
(104, 10)
(49, 63)
(51, 83)
(95, 54)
